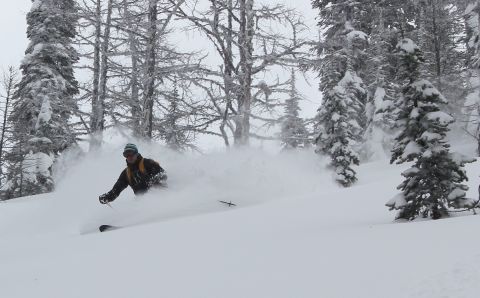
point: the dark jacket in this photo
(140, 182)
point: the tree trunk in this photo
(134, 82)
(147, 124)
(244, 97)
(96, 113)
(436, 43)
(228, 79)
(104, 70)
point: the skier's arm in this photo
(119, 186)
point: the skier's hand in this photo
(157, 179)
(106, 198)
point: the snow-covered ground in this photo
(294, 234)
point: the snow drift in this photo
(295, 233)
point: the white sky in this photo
(13, 31)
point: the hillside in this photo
(294, 234)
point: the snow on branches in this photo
(433, 184)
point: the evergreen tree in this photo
(471, 108)
(177, 135)
(380, 78)
(440, 25)
(43, 102)
(341, 119)
(338, 134)
(378, 134)
(294, 134)
(472, 29)
(433, 184)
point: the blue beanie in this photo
(130, 148)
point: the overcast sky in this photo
(13, 31)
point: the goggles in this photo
(129, 154)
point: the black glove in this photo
(106, 198)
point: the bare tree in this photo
(248, 47)
(104, 69)
(147, 119)
(9, 81)
(97, 115)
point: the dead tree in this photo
(9, 81)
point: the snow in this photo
(427, 89)
(460, 158)
(374, 148)
(407, 45)
(430, 136)
(410, 149)
(442, 117)
(428, 153)
(37, 48)
(410, 171)
(397, 201)
(38, 140)
(387, 104)
(37, 163)
(335, 117)
(36, 4)
(470, 7)
(353, 123)
(414, 113)
(356, 34)
(45, 113)
(295, 233)
(379, 97)
(338, 89)
(351, 78)
(471, 20)
(456, 193)
(472, 99)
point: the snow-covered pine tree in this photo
(378, 134)
(43, 101)
(471, 16)
(439, 28)
(433, 184)
(338, 133)
(294, 133)
(177, 136)
(471, 109)
(379, 81)
(341, 119)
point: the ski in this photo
(105, 228)
(230, 204)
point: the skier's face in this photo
(130, 156)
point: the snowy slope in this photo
(294, 234)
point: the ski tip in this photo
(104, 228)
(230, 204)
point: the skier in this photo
(141, 174)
